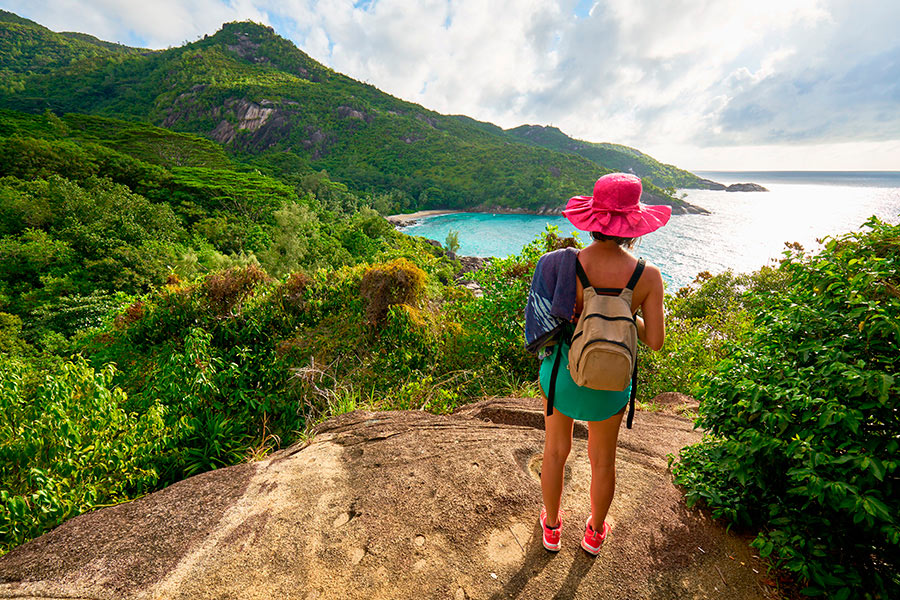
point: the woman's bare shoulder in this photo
(649, 267)
(652, 276)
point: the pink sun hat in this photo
(615, 208)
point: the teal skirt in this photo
(578, 402)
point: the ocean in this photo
(743, 232)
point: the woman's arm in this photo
(651, 328)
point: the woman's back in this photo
(608, 265)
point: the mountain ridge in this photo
(610, 155)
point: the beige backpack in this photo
(603, 352)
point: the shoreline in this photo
(407, 219)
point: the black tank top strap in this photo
(638, 270)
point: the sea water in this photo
(743, 232)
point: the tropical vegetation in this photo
(802, 419)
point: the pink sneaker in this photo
(551, 536)
(592, 539)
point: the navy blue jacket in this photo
(551, 300)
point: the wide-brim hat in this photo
(615, 208)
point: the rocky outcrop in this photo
(430, 121)
(246, 49)
(250, 117)
(317, 142)
(515, 210)
(185, 107)
(269, 123)
(468, 264)
(346, 112)
(399, 505)
(708, 184)
(745, 187)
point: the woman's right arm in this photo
(652, 328)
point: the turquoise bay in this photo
(743, 232)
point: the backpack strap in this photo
(638, 270)
(551, 393)
(564, 336)
(635, 276)
(579, 270)
(633, 394)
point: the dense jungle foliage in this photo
(27, 49)
(274, 107)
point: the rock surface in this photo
(399, 505)
(745, 187)
(709, 184)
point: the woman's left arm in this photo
(652, 328)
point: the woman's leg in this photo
(602, 439)
(557, 444)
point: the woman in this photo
(615, 217)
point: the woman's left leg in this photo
(557, 444)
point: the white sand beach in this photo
(409, 218)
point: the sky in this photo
(702, 84)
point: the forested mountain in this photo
(28, 49)
(272, 106)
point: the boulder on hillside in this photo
(399, 505)
(470, 264)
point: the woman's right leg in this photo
(557, 444)
(602, 440)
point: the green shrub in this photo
(805, 423)
(11, 343)
(67, 446)
(702, 320)
(396, 282)
(492, 340)
(452, 241)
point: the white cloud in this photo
(157, 24)
(812, 77)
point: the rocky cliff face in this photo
(249, 116)
(398, 505)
